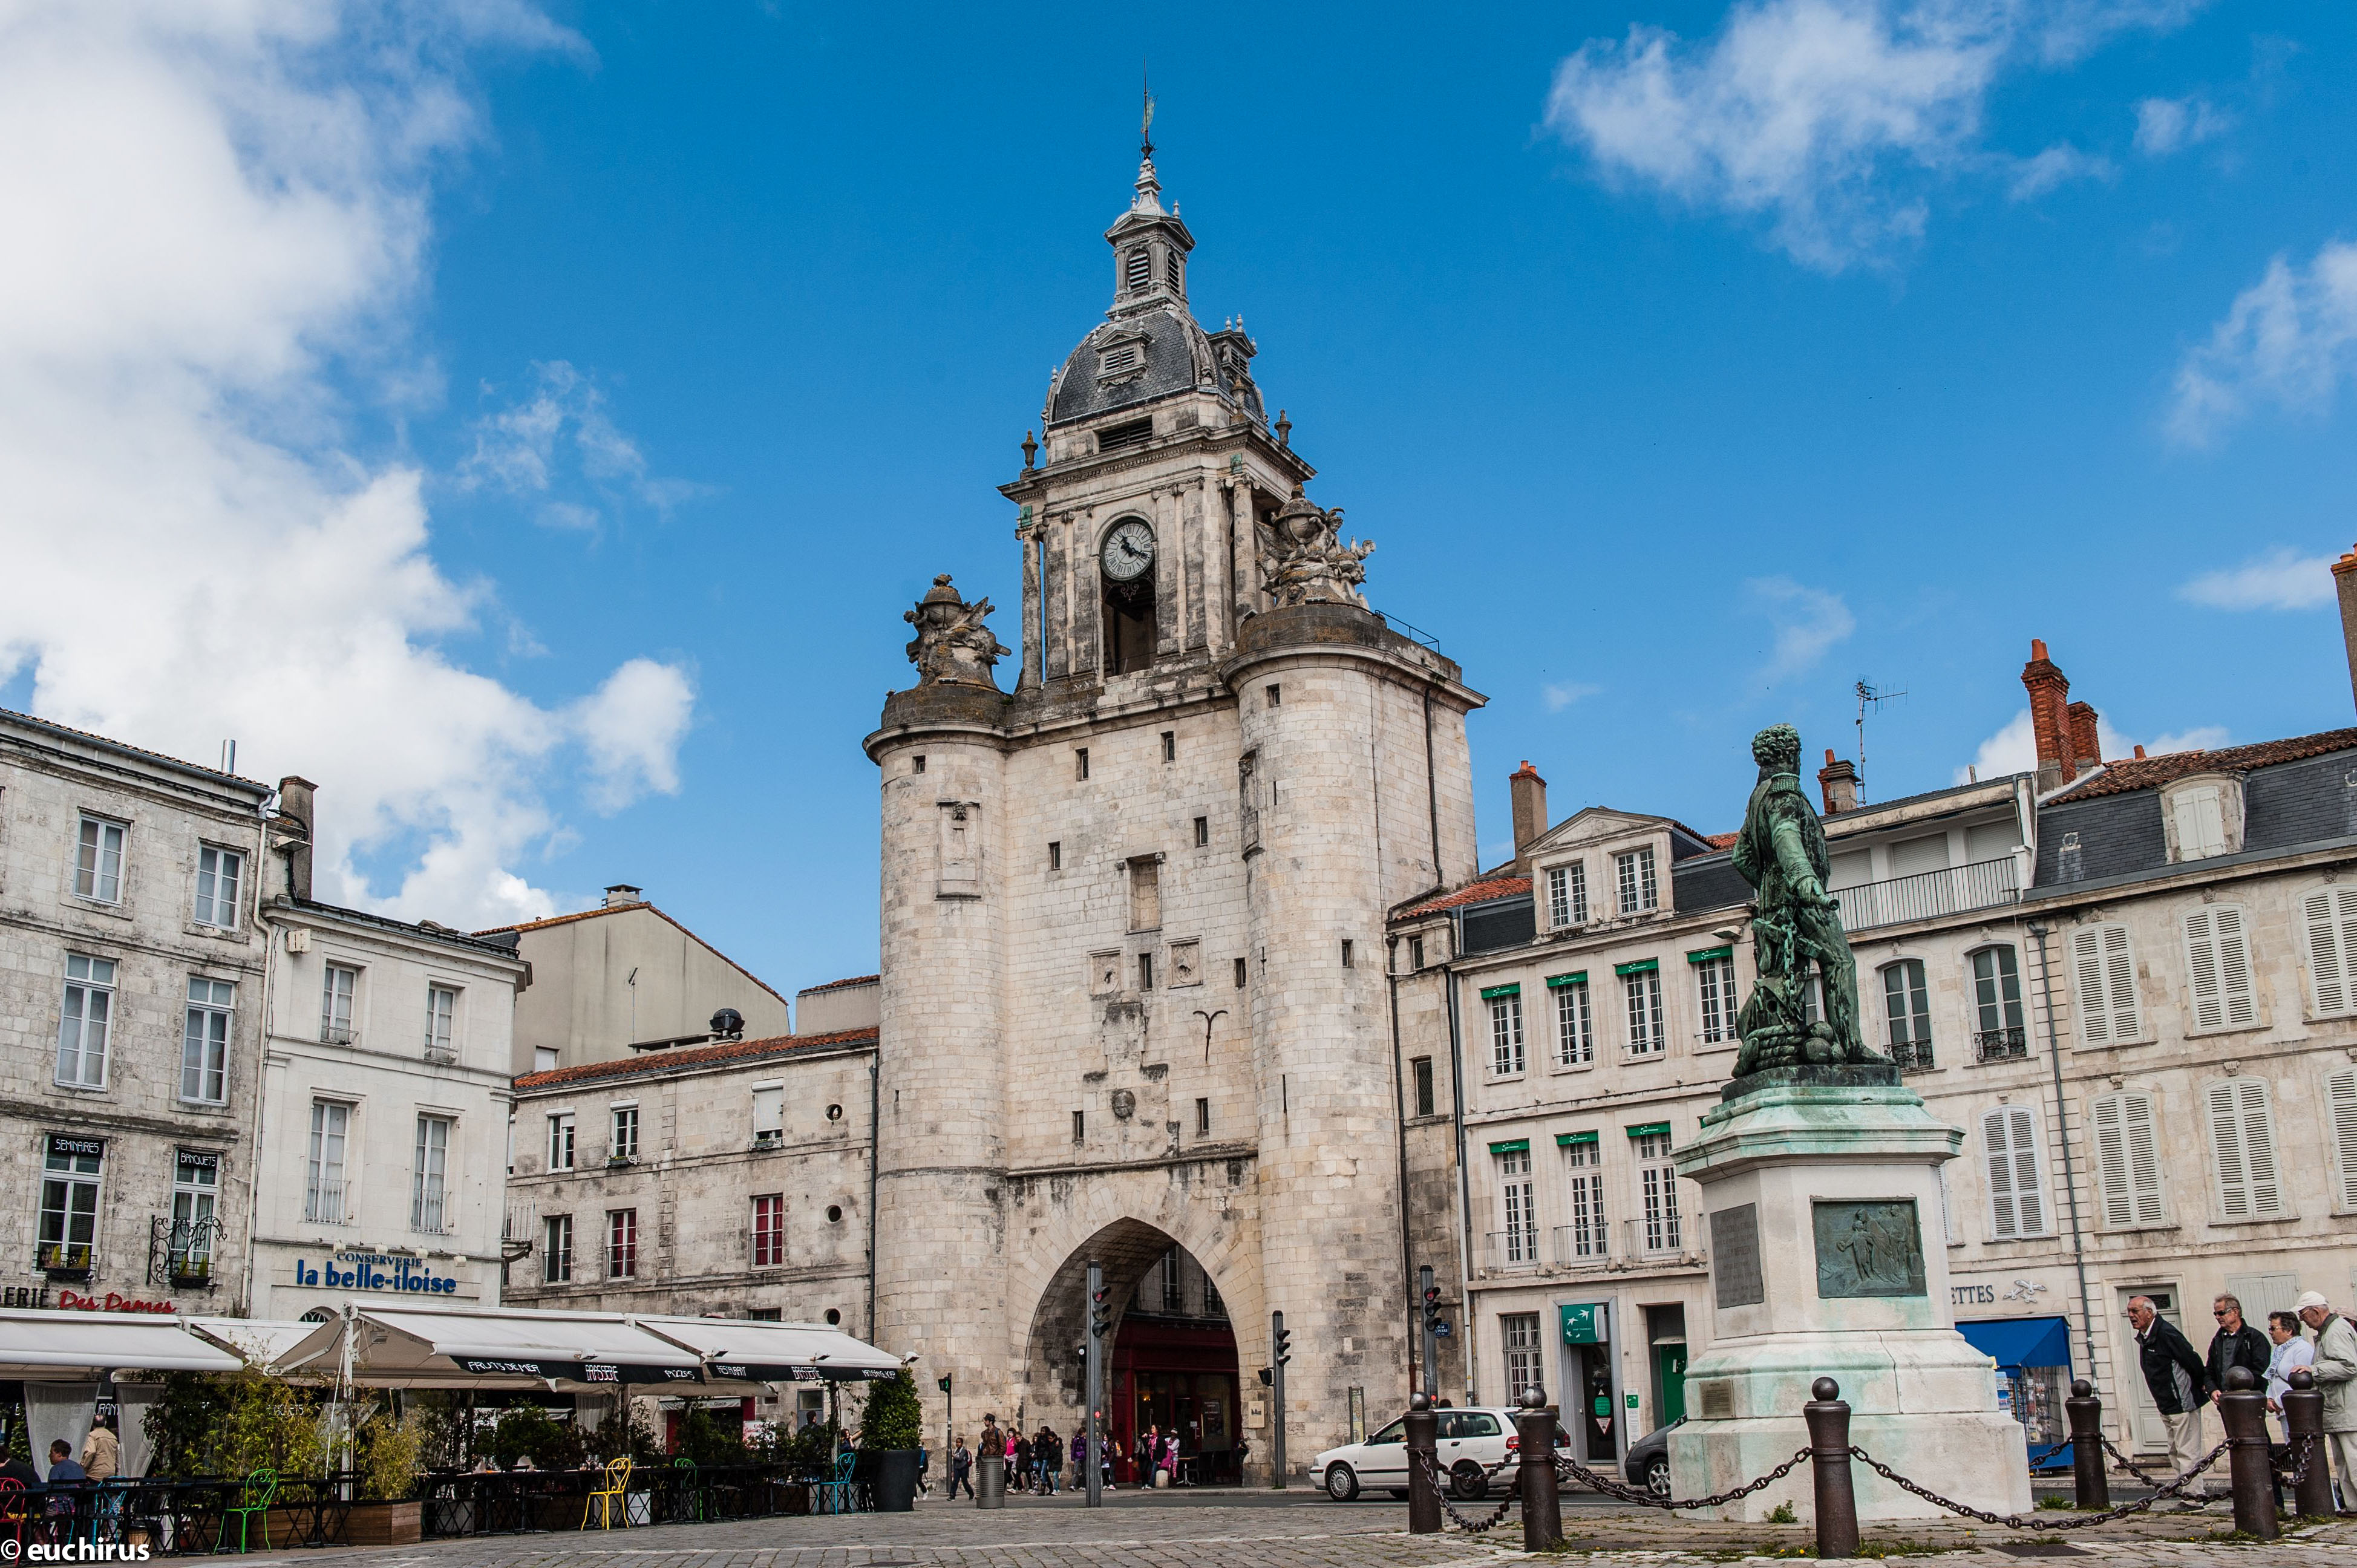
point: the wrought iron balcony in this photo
(334, 1034)
(1511, 1251)
(328, 1203)
(1578, 1245)
(1663, 1236)
(2000, 1045)
(1928, 894)
(180, 1251)
(69, 1260)
(1915, 1056)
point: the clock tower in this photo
(1134, 977)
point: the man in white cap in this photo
(2335, 1368)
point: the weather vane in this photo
(1146, 120)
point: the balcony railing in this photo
(1579, 1244)
(1929, 895)
(328, 1203)
(1915, 1056)
(180, 1251)
(446, 1056)
(1660, 1238)
(2000, 1045)
(64, 1260)
(434, 1216)
(1511, 1249)
(337, 1033)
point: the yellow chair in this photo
(613, 1493)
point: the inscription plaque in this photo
(1870, 1249)
(1716, 1396)
(1735, 1256)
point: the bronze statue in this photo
(1796, 929)
(951, 644)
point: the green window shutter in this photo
(1578, 977)
(1706, 954)
(1511, 1146)
(1651, 1130)
(1568, 1140)
(1642, 966)
(1491, 993)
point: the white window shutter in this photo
(2112, 1161)
(2005, 1220)
(2202, 969)
(2119, 975)
(2028, 1191)
(2234, 965)
(2258, 1146)
(2325, 974)
(2341, 1092)
(2144, 1157)
(2226, 1142)
(2087, 955)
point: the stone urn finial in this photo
(952, 647)
(1308, 563)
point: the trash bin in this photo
(990, 1481)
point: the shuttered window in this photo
(2332, 948)
(2218, 968)
(2340, 1098)
(2127, 1160)
(2105, 963)
(2016, 1187)
(2243, 1140)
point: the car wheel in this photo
(1657, 1475)
(1467, 1483)
(1341, 1482)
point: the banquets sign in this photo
(369, 1271)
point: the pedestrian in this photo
(2292, 1352)
(2335, 1366)
(961, 1470)
(2177, 1381)
(1101, 1449)
(924, 1468)
(2236, 1344)
(66, 1481)
(1166, 1461)
(1045, 1460)
(1141, 1456)
(1022, 1471)
(101, 1451)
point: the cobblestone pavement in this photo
(1207, 1531)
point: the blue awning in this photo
(2021, 1341)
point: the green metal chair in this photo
(253, 1497)
(693, 1494)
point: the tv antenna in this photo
(1869, 695)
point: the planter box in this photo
(383, 1524)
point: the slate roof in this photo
(1178, 358)
(426, 932)
(125, 748)
(624, 910)
(2151, 772)
(665, 1061)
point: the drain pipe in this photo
(1464, 1173)
(2069, 1175)
(1399, 1122)
(875, 1122)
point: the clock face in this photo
(1128, 550)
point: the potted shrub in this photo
(390, 1456)
(893, 1427)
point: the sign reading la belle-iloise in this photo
(374, 1270)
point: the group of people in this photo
(2183, 1382)
(1035, 1463)
(101, 1457)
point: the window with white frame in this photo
(770, 1230)
(2105, 963)
(2332, 949)
(1525, 1350)
(1640, 890)
(98, 861)
(1714, 975)
(1997, 1004)
(441, 1018)
(2127, 1160)
(2218, 968)
(1906, 1012)
(2341, 1105)
(1567, 894)
(2242, 1147)
(1584, 1239)
(2017, 1177)
(624, 1143)
(196, 1187)
(326, 1192)
(337, 987)
(71, 1168)
(1575, 1022)
(1505, 1029)
(219, 874)
(1641, 989)
(560, 1141)
(430, 1179)
(621, 1243)
(1518, 1243)
(87, 1014)
(204, 1041)
(556, 1248)
(768, 1116)
(1657, 1190)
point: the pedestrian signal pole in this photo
(1430, 1294)
(1280, 1351)
(1100, 1323)
(949, 1422)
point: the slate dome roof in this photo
(1176, 356)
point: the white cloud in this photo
(2165, 125)
(1562, 694)
(559, 428)
(2058, 165)
(2287, 343)
(217, 221)
(1831, 120)
(2279, 579)
(1808, 622)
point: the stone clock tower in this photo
(1133, 924)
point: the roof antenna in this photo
(1869, 695)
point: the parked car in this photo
(1468, 1444)
(1648, 1463)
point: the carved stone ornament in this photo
(1307, 564)
(953, 646)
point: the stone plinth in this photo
(1821, 1197)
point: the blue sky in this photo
(531, 423)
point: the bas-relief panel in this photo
(1869, 1249)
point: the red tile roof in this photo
(624, 910)
(2151, 772)
(1721, 840)
(1471, 893)
(699, 1056)
(839, 985)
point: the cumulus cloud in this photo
(2165, 125)
(1562, 694)
(218, 217)
(1807, 621)
(2287, 343)
(2279, 579)
(1832, 121)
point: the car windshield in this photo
(1392, 1434)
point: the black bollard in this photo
(2303, 1409)
(1423, 1478)
(1542, 1507)
(2086, 1413)
(1828, 1420)
(2244, 1410)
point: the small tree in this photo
(391, 1457)
(528, 1428)
(894, 1419)
(709, 1442)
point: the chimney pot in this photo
(622, 893)
(2345, 583)
(1838, 779)
(2139, 754)
(1529, 793)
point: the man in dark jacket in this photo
(2236, 1344)
(2179, 1383)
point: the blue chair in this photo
(835, 1497)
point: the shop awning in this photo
(403, 1346)
(63, 1346)
(262, 1342)
(2021, 1341)
(737, 1348)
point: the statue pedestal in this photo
(1821, 1188)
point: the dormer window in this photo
(1122, 358)
(1640, 890)
(1137, 271)
(2202, 816)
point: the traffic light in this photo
(944, 1383)
(1431, 1305)
(1284, 1346)
(1100, 1311)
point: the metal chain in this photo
(2014, 1521)
(1430, 1468)
(2127, 1464)
(1572, 1470)
(2295, 1470)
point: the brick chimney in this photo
(2049, 717)
(2086, 749)
(298, 811)
(1838, 779)
(2344, 579)
(1529, 791)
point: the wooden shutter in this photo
(2331, 944)
(2017, 1205)
(2106, 961)
(2242, 1136)
(2340, 1093)
(2111, 1163)
(2087, 956)
(2218, 965)
(2127, 1160)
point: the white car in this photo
(1468, 1442)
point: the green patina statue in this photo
(1797, 928)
